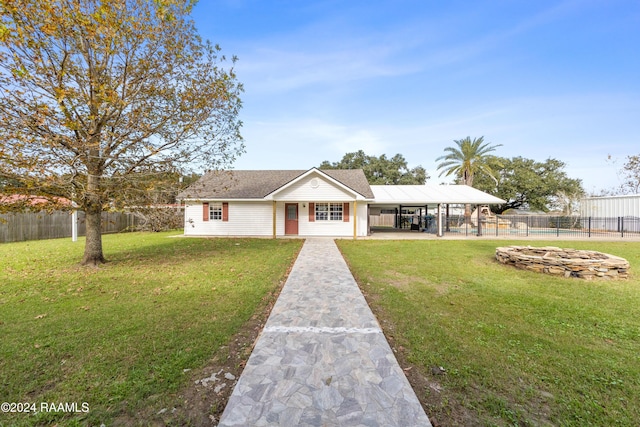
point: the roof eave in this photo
(222, 199)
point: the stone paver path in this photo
(322, 359)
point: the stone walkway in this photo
(322, 359)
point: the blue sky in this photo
(545, 79)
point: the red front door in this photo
(291, 218)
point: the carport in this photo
(438, 198)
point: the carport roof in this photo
(418, 195)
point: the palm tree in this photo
(466, 160)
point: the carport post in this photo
(426, 214)
(439, 220)
(396, 221)
(447, 218)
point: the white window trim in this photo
(215, 211)
(329, 211)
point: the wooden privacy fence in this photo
(382, 220)
(18, 227)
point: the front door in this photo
(291, 218)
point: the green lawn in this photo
(519, 348)
(120, 337)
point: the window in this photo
(335, 211)
(328, 211)
(215, 211)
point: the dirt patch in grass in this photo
(401, 281)
(441, 407)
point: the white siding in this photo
(245, 219)
(363, 219)
(324, 228)
(610, 207)
(314, 188)
(256, 219)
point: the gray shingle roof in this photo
(256, 184)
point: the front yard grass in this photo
(121, 336)
(517, 348)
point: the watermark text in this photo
(32, 407)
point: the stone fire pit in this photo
(564, 262)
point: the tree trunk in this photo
(467, 214)
(93, 210)
(93, 247)
(467, 179)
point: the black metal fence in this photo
(539, 225)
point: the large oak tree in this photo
(531, 184)
(381, 170)
(99, 96)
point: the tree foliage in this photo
(381, 170)
(631, 174)
(98, 98)
(529, 184)
(467, 160)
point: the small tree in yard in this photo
(99, 97)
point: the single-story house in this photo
(310, 202)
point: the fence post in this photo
(496, 225)
(622, 225)
(557, 226)
(74, 225)
(589, 221)
(528, 221)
